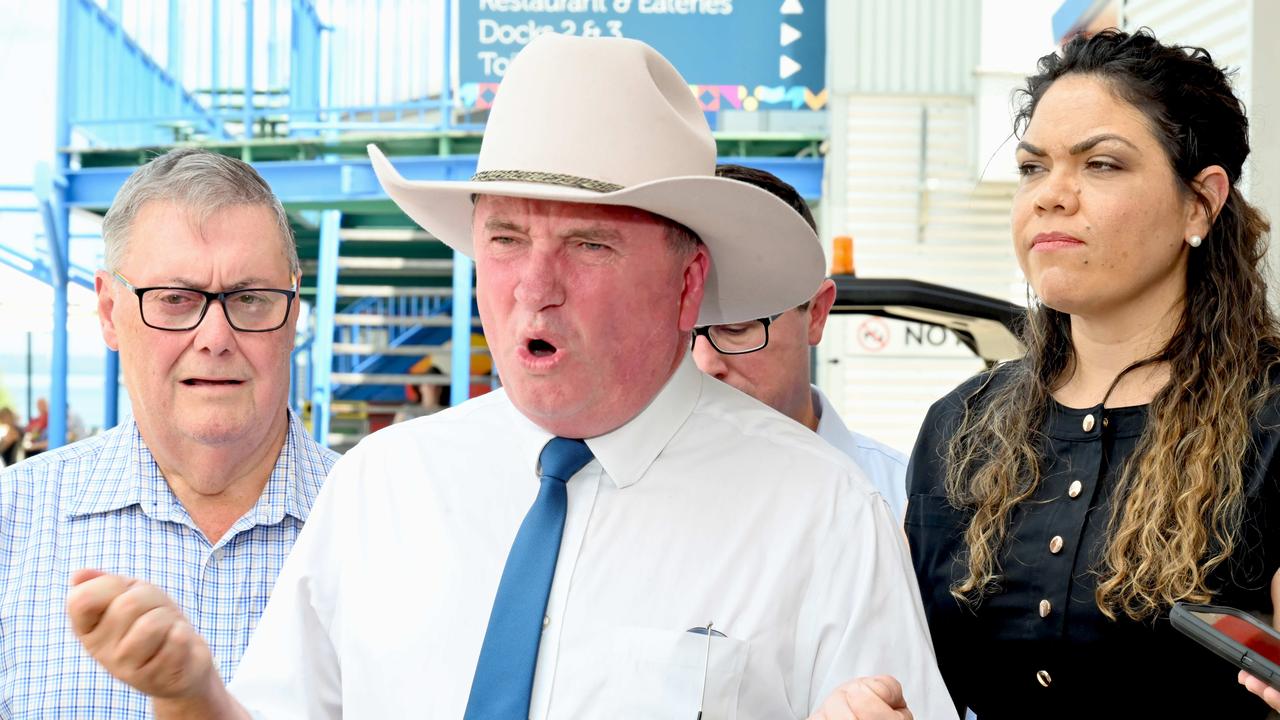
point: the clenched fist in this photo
(139, 635)
(866, 698)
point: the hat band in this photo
(546, 178)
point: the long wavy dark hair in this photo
(1177, 512)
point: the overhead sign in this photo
(736, 54)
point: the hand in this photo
(1269, 694)
(866, 698)
(139, 635)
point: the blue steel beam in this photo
(352, 179)
(248, 70)
(460, 382)
(322, 342)
(55, 216)
(38, 269)
(111, 390)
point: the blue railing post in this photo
(50, 189)
(111, 390)
(460, 383)
(215, 69)
(54, 215)
(326, 307)
(446, 88)
(248, 69)
(174, 64)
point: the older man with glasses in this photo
(204, 491)
(768, 359)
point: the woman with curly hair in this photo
(1060, 504)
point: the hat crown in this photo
(606, 110)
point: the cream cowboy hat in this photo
(610, 121)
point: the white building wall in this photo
(1243, 35)
(905, 180)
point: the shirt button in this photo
(1046, 607)
(1055, 544)
(1074, 490)
(216, 555)
(546, 620)
(1042, 677)
(1088, 423)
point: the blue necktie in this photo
(504, 673)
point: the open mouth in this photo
(540, 348)
(206, 382)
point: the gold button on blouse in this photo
(1046, 607)
(1042, 676)
(1074, 490)
(1088, 423)
(1055, 544)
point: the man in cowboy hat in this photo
(612, 534)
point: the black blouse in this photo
(1040, 647)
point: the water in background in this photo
(85, 363)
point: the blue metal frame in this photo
(460, 382)
(346, 179)
(37, 268)
(325, 308)
(106, 105)
(128, 105)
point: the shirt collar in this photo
(829, 423)
(627, 452)
(111, 482)
(125, 473)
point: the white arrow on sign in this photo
(792, 7)
(789, 35)
(787, 67)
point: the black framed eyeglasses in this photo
(177, 308)
(736, 338)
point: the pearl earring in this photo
(1194, 241)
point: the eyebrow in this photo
(497, 224)
(1082, 146)
(588, 233)
(256, 282)
(594, 234)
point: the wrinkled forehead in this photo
(167, 231)
(509, 208)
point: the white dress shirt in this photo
(707, 507)
(886, 468)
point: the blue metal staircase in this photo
(299, 99)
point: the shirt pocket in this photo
(659, 674)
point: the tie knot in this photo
(562, 457)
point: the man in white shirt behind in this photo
(768, 359)
(698, 553)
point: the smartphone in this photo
(1233, 635)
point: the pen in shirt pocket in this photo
(710, 632)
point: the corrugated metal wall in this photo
(1240, 34)
(1221, 27)
(902, 46)
(915, 210)
(901, 181)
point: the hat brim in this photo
(765, 258)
